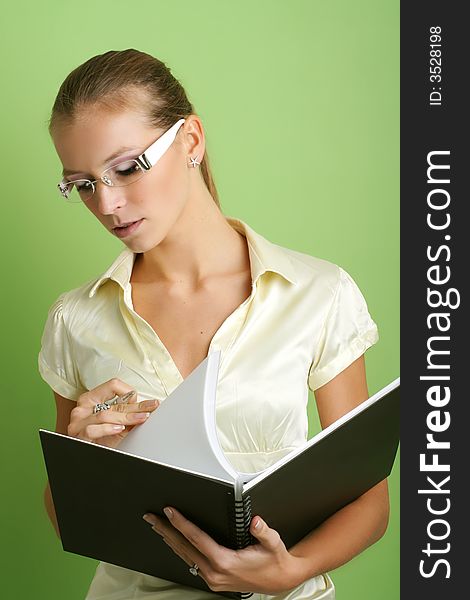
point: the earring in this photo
(194, 162)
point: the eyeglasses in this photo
(122, 174)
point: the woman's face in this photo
(152, 204)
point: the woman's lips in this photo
(122, 232)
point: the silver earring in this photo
(194, 162)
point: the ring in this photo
(99, 407)
(194, 570)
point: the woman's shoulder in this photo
(323, 278)
(74, 303)
(78, 294)
(295, 265)
(84, 297)
(311, 268)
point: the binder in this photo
(174, 458)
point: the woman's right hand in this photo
(108, 427)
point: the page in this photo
(182, 431)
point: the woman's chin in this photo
(136, 246)
(140, 246)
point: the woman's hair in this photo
(115, 80)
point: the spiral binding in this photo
(243, 537)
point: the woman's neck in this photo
(201, 245)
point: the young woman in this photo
(191, 280)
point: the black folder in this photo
(100, 493)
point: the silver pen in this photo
(120, 399)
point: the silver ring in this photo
(99, 407)
(194, 570)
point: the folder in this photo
(174, 459)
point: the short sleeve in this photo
(346, 334)
(55, 360)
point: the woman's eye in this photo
(83, 186)
(127, 170)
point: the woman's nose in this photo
(109, 198)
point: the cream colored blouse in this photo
(303, 323)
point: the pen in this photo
(106, 405)
(120, 399)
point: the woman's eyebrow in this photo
(114, 155)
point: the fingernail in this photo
(118, 427)
(139, 416)
(149, 519)
(258, 523)
(149, 404)
(168, 512)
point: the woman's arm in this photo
(362, 522)
(64, 408)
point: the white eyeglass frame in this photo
(146, 160)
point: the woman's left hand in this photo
(266, 567)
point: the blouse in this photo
(304, 322)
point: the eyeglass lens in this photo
(122, 174)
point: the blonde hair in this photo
(113, 80)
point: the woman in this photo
(191, 280)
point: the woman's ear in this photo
(193, 137)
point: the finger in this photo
(143, 406)
(177, 542)
(104, 391)
(95, 432)
(90, 427)
(132, 399)
(117, 418)
(269, 538)
(195, 536)
(190, 555)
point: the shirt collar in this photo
(264, 256)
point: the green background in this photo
(300, 103)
